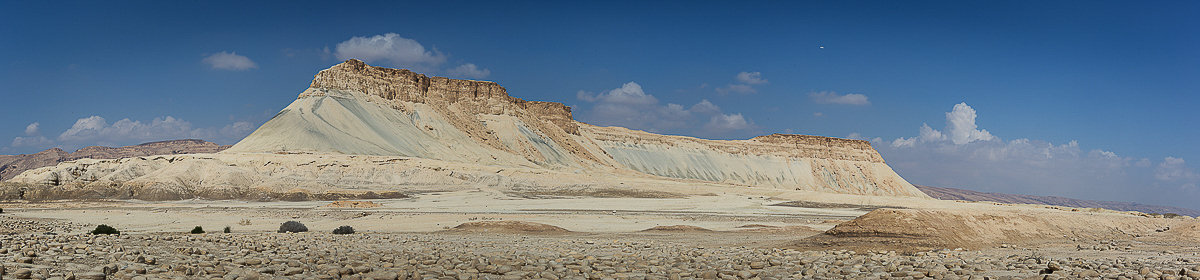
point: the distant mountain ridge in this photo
(969, 195)
(12, 165)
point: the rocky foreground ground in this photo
(29, 252)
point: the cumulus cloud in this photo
(33, 129)
(745, 83)
(960, 129)
(390, 48)
(964, 155)
(631, 107)
(829, 97)
(1175, 170)
(229, 61)
(727, 122)
(960, 123)
(469, 71)
(33, 138)
(751, 78)
(96, 130)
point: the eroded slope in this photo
(356, 109)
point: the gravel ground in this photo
(34, 254)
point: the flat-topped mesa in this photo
(825, 147)
(479, 97)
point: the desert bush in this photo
(244, 222)
(227, 229)
(343, 230)
(105, 229)
(292, 226)
(197, 230)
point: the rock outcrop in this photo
(12, 165)
(356, 109)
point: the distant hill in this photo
(969, 195)
(12, 165)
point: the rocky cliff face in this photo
(357, 109)
(473, 97)
(11, 165)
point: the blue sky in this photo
(1117, 79)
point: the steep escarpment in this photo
(357, 109)
(800, 162)
(473, 97)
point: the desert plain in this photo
(454, 179)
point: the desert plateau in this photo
(455, 179)
(585, 140)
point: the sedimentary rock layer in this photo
(356, 109)
(11, 165)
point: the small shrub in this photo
(105, 229)
(343, 230)
(227, 229)
(292, 226)
(1, 210)
(197, 230)
(244, 222)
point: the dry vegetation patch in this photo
(352, 204)
(540, 193)
(678, 228)
(509, 227)
(826, 205)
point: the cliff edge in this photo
(356, 109)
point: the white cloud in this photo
(229, 61)
(469, 71)
(745, 83)
(964, 155)
(960, 123)
(1174, 169)
(630, 93)
(40, 142)
(928, 134)
(818, 114)
(705, 107)
(33, 129)
(631, 107)
(95, 130)
(829, 97)
(904, 142)
(751, 78)
(960, 129)
(392, 49)
(727, 122)
(33, 138)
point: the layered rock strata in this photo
(12, 165)
(357, 109)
